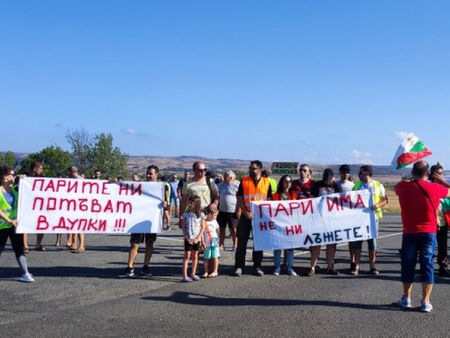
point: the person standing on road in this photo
(304, 184)
(347, 185)
(193, 225)
(378, 195)
(227, 207)
(324, 187)
(36, 170)
(187, 177)
(136, 239)
(419, 200)
(252, 188)
(199, 186)
(284, 193)
(174, 194)
(442, 227)
(8, 221)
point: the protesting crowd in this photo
(206, 206)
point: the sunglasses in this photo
(305, 170)
(201, 169)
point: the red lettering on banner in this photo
(49, 206)
(308, 206)
(50, 186)
(281, 207)
(293, 229)
(138, 190)
(42, 223)
(102, 225)
(105, 188)
(123, 187)
(260, 206)
(73, 185)
(72, 223)
(109, 207)
(69, 203)
(293, 206)
(95, 206)
(345, 199)
(84, 222)
(91, 186)
(359, 202)
(41, 181)
(83, 206)
(272, 225)
(40, 199)
(91, 224)
(60, 184)
(61, 224)
(334, 203)
(125, 206)
(263, 226)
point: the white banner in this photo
(60, 205)
(335, 218)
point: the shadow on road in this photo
(191, 298)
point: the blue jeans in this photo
(424, 244)
(289, 258)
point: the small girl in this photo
(193, 225)
(210, 245)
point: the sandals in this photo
(205, 275)
(77, 251)
(41, 248)
(212, 275)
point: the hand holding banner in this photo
(330, 219)
(55, 205)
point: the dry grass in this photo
(393, 204)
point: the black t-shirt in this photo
(322, 189)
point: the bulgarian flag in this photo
(411, 150)
(445, 203)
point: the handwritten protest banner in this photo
(335, 218)
(54, 205)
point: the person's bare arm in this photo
(8, 220)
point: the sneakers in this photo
(277, 271)
(374, 272)
(186, 280)
(238, 272)
(27, 278)
(195, 278)
(145, 272)
(127, 273)
(291, 272)
(259, 272)
(405, 303)
(425, 307)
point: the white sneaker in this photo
(405, 303)
(425, 307)
(276, 272)
(27, 278)
(291, 272)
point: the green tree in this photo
(107, 158)
(81, 143)
(54, 160)
(8, 159)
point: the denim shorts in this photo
(372, 244)
(211, 252)
(424, 244)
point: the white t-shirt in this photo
(213, 226)
(347, 186)
(193, 224)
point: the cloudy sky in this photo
(310, 81)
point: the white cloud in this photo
(360, 157)
(130, 131)
(402, 134)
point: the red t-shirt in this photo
(303, 190)
(417, 212)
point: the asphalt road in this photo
(80, 295)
